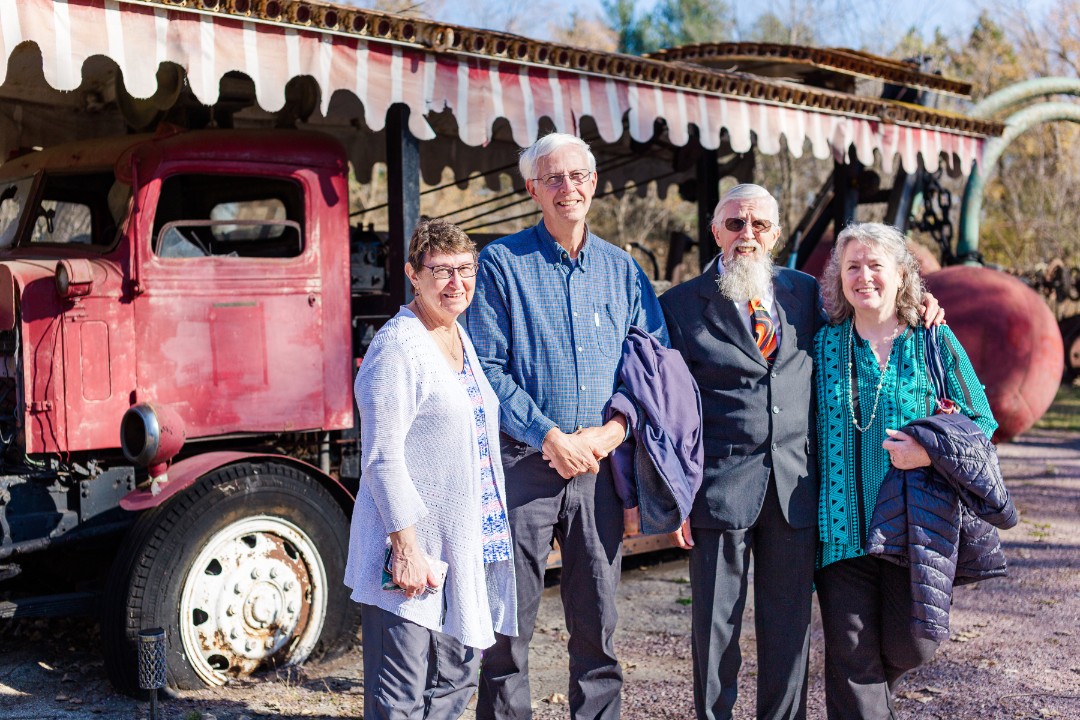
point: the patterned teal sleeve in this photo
(964, 386)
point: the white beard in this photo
(745, 278)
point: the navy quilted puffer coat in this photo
(938, 520)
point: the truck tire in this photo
(243, 570)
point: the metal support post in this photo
(152, 665)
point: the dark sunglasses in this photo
(737, 224)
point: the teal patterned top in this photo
(853, 464)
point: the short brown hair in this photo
(437, 236)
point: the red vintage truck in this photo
(196, 285)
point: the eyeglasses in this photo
(555, 180)
(444, 272)
(736, 225)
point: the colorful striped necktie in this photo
(763, 329)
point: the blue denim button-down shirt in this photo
(549, 330)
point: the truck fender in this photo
(183, 473)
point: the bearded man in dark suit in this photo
(746, 329)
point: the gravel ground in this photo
(1014, 651)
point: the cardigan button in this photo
(775, 409)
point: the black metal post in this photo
(708, 194)
(403, 178)
(152, 665)
(846, 177)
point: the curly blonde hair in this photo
(909, 296)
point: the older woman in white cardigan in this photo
(429, 551)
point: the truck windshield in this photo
(79, 209)
(13, 199)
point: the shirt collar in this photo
(554, 253)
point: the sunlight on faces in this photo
(445, 299)
(747, 255)
(568, 204)
(870, 279)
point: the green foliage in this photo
(771, 28)
(685, 22)
(672, 23)
(630, 29)
(1064, 413)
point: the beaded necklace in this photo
(880, 385)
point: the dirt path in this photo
(1014, 651)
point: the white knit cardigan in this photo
(419, 466)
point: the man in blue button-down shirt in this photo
(553, 304)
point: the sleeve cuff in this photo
(537, 431)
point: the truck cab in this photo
(175, 338)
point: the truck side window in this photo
(229, 216)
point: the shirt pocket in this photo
(610, 322)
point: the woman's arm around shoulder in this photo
(964, 386)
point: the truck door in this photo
(228, 305)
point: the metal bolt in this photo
(288, 585)
(291, 608)
(249, 646)
(269, 643)
(231, 610)
(255, 574)
(273, 573)
(236, 589)
(234, 634)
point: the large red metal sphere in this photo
(1011, 337)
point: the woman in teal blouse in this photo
(871, 380)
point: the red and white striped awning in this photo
(478, 90)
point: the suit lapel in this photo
(723, 315)
(784, 298)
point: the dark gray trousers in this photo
(784, 559)
(412, 673)
(865, 612)
(585, 516)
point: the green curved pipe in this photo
(1016, 125)
(1022, 91)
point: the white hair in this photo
(745, 278)
(748, 191)
(531, 156)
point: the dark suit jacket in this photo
(756, 419)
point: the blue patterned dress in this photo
(495, 531)
(853, 464)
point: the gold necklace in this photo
(880, 385)
(444, 339)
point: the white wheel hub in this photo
(254, 596)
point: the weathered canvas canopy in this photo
(478, 76)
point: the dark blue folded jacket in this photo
(658, 468)
(938, 520)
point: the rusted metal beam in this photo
(776, 59)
